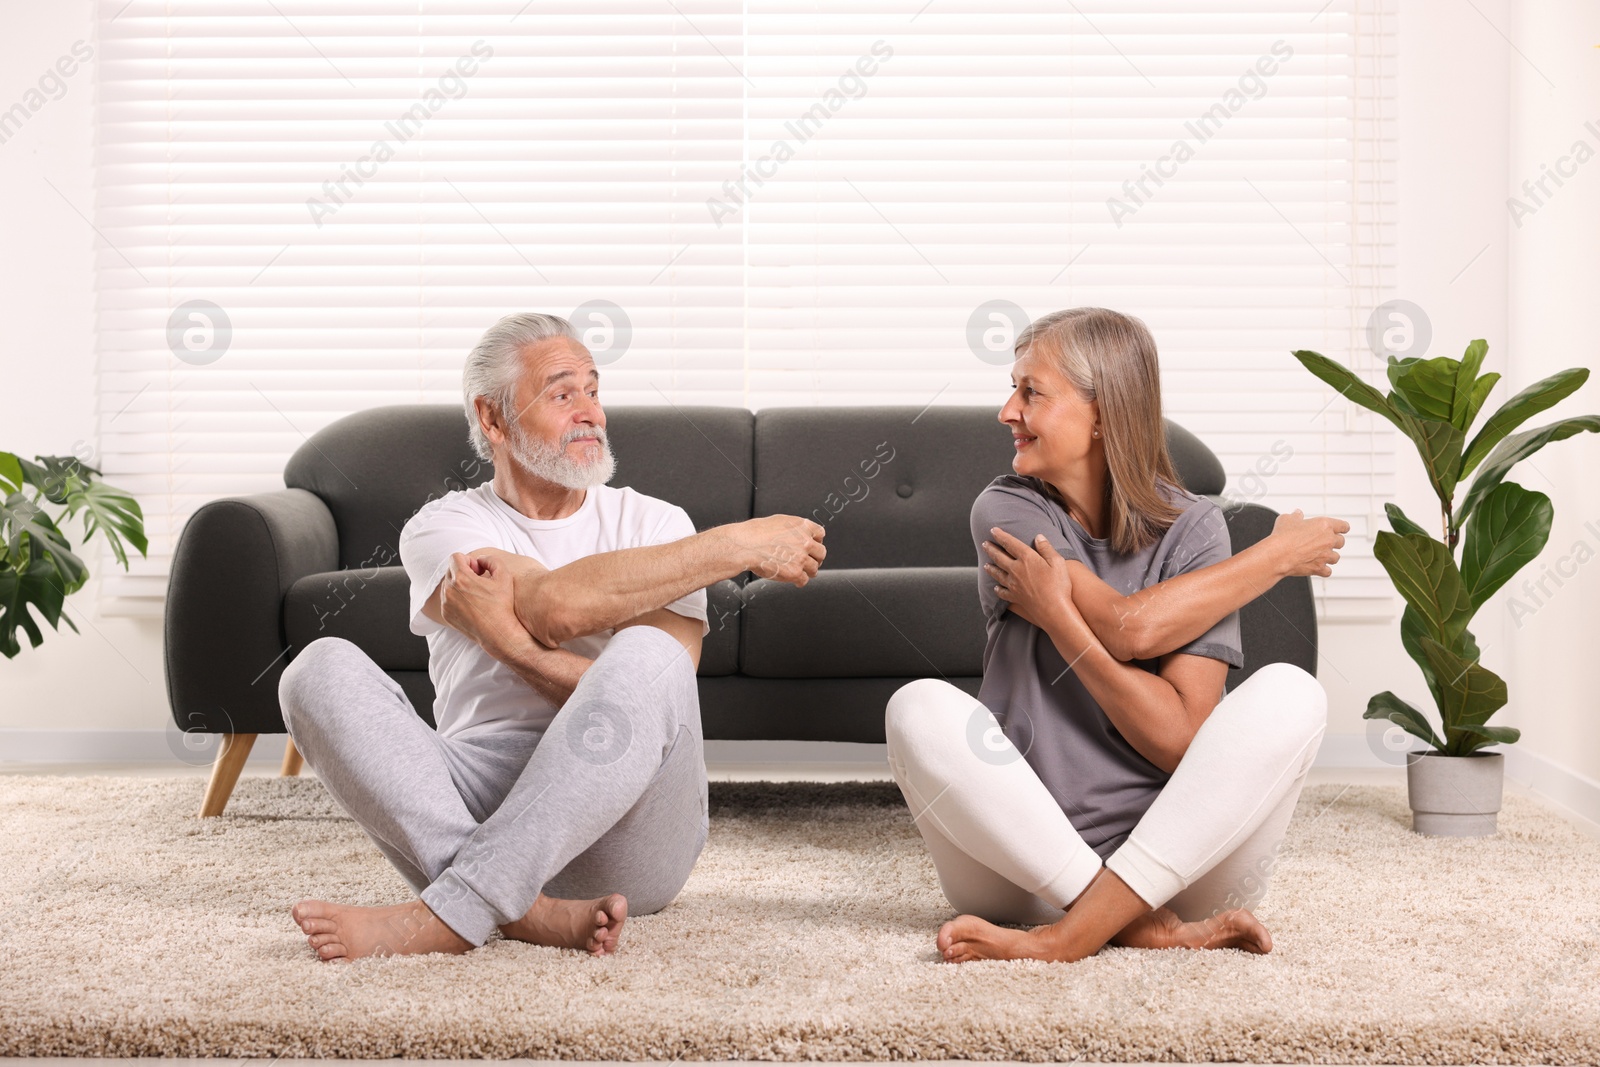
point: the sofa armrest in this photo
(1280, 625)
(224, 642)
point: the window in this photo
(762, 204)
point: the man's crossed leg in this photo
(549, 838)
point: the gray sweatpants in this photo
(611, 798)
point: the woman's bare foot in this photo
(591, 925)
(968, 937)
(1161, 928)
(345, 932)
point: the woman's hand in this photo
(1033, 579)
(1307, 546)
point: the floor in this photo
(111, 1062)
(785, 771)
(724, 771)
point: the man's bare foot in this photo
(594, 926)
(345, 932)
(968, 937)
(1161, 928)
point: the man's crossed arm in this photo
(520, 611)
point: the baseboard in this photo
(1562, 786)
(128, 746)
(838, 753)
(1348, 752)
(1577, 793)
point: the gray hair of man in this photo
(494, 366)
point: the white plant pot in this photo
(1454, 796)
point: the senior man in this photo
(565, 784)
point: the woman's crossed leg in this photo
(1187, 875)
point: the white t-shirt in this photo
(474, 692)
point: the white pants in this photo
(1006, 852)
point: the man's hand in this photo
(515, 565)
(1033, 579)
(784, 548)
(522, 570)
(475, 597)
(1306, 546)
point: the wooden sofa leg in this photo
(225, 772)
(292, 760)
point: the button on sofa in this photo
(257, 578)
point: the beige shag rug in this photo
(131, 928)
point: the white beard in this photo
(554, 465)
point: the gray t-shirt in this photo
(1101, 781)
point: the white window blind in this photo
(792, 203)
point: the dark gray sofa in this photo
(257, 578)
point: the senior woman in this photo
(1105, 785)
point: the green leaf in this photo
(1425, 573)
(1401, 524)
(109, 510)
(1412, 631)
(1428, 386)
(1439, 444)
(1348, 383)
(1539, 396)
(1388, 706)
(10, 473)
(38, 586)
(29, 533)
(1470, 390)
(1469, 691)
(1512, 450)
(57, 476)
(1505, 735)
(1480, 393)
(1507, 530)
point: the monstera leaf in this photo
(38, 568)
(36, 585)
(111, 511)
(29, 534)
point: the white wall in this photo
(1555, 324)
(108, 676)
(1461, 134)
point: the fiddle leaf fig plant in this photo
(1434, 402)
(38, 569)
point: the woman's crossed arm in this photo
(1163, 617)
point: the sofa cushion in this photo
(698, 458)
(865, 622)
(370, 608)
(719, 652)
(892, 485)
(375, 468)
(738, 708)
